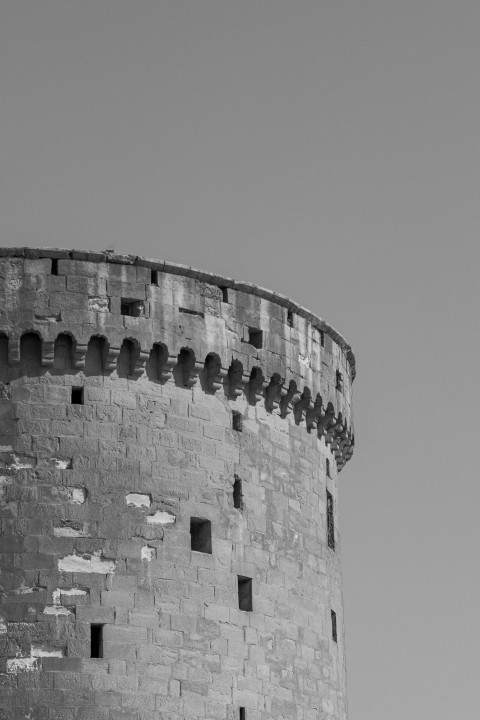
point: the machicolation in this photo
(170, 442)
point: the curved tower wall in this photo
(145, 407)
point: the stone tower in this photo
(170, 446)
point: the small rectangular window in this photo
(334, 626)
(77, 395)
(322, 338)
(242, 714)
(330, 522)
(154, 277)
(54, 266)
(96, 641)
(132, 308)
(201, 535)
(237, 494)
(187, 311)
(237, 421)
(290, 318)
(328, 467)
(339, 381)
(224, 294)
(255, 337)
(245, 593)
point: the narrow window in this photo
(55, 266)
(96, 641)
(30, 353)
(132, 308)
(245, 593)
(4, 356)
(154, 277)
(237, 421)
(290, 318)
(224, 294)
(334, 625)
(63, 355)
(330, 523)
(255, 337)
(322, 338)
(237, 494)
(339, 383)
(187, 311)
(125, 308)
(242, 715)
(201, 535)
(77, 395)
(328, 467)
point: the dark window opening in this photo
(4, 355)
(255, 337)
(154, 277)
(77, 395)
(30, 353)
(245, 593)
(54, 266)
(339, 383)
(96, 641)
(237, 421)
(96, 353)
(334, 625)
(330, 522)
(132, 308)
(322, 338)
(187, 311)
(201, 535)
(290, 318)
(328, 467)
(237, 494)
(224, 294)
(63, 353)
(242, 714)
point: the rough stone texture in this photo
(98, 488)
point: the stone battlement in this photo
(219, 281)
(107, 312)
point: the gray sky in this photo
(328, 150)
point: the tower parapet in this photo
(170, 442)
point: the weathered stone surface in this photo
(216, 416)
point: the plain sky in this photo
(328, 150)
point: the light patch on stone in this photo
(304, 360)
(18, 465)
(86, 564)
(57, 595)
(17, 665)
(138, 500)
(61, 464)
(56, 610)
(3, 625)
(78, 496)
(161, 518)
(68, 531)
(148, 553)
(24, 590)
(38, 651)
(98, 304)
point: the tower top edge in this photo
(109, 256)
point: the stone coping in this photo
(108, 256)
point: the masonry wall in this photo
(136, 397)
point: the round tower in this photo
(170, 442)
